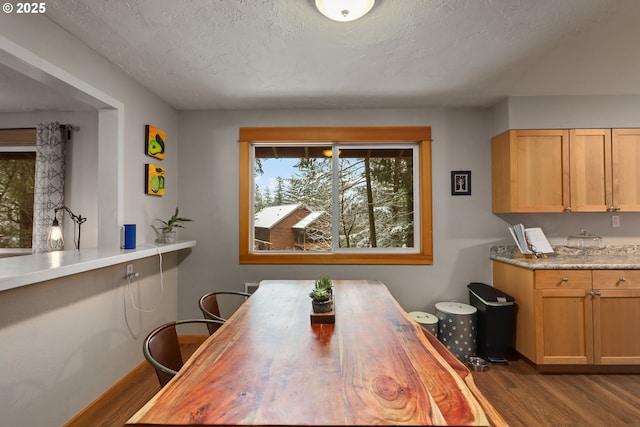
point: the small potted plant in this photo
(322, 295)
(168, 229)
(321, 300)
(324, 282)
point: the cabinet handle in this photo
(616, 209)
(611, 209)
(622, 280)
(565, 279)
(567, 209)
(598, 293)
(590, 293)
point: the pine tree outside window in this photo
(17, 174)
(335, 195)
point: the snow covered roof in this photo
(304, 222)
(270, 216)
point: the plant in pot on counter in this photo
(322, 295)
(167, 233)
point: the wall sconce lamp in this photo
(55, 240)
(344, 10)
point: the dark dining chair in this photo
(161, 348)
(211, 310)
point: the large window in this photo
(17, 173)
(335, 195)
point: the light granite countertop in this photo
(608, 258)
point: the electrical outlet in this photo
(251, 287)
(129, 270)
(615, 221)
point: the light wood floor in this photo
(521, 395)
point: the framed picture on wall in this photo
(460, 183)
(154, 141)
(153, 180)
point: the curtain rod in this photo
(70, 128)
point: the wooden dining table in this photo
(269, 365)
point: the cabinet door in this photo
(615, 316)
(616, 309)
(590, 170)
(625, 155)
(564, 330)
(530, 171)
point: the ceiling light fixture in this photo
(344, 10)
(329, 152)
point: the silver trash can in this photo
(427, 320)
(457, 328)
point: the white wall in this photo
(567, 112)
(67, 341)
(463, 227)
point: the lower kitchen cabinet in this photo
(564, 332)
(616, 310)
(574, 317)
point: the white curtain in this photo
(51, 141)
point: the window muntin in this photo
(341, 140)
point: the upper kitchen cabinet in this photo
(578, 170)
(625, 160)
(530, 171)
(590, 170)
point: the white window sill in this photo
(29, 269)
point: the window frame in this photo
(421, 135)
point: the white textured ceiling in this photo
(231, 54)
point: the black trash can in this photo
(496, 319)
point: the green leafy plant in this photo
(324, 282)
(172, 223)
(322, 289)
(320, 294)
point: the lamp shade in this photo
(344, 10)
(55, 240)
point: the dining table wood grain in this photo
(268, 365)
